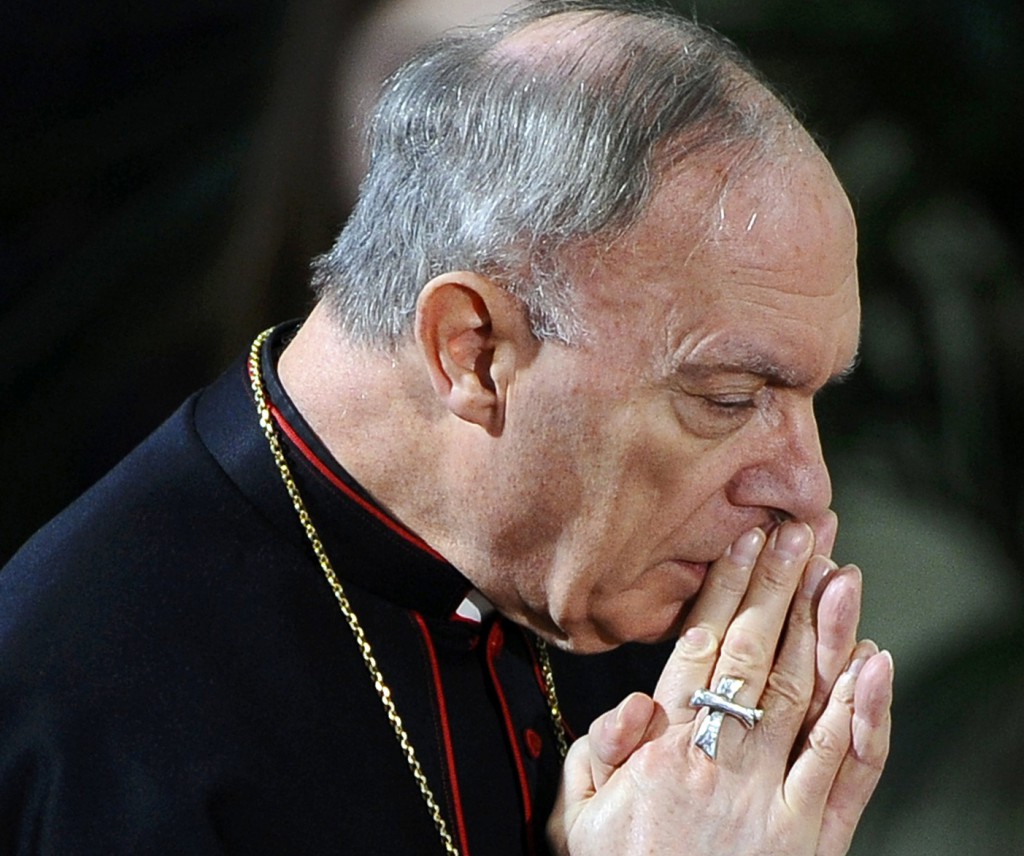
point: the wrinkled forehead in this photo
(769, 212)
(791, 214)
(764, 255)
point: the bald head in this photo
(498, 150)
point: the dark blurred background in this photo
(168, 170)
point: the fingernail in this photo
(744, 549)
(696, 639)
(790, 540)
(817, 569)
(855, 666)
(869, 647)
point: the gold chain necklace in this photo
(383, 691)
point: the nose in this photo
(786, 470)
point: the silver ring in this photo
(719, 705)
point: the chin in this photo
(597, 637)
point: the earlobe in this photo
(468, 330)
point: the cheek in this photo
(543, 471)
(672, 467)
(639, 484)
(675, 496)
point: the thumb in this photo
(617, 734)
(592, 759)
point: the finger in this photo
(690, 664)
(809, 782)
(791, 681)
(617, 734)
(862, 652)
(838, 615)
(575, 787)
(825, 527)
(748, 649)
(687, 669)
(726, 584)
(862, 766)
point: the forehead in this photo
(757, 269)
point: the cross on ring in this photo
(719, 704)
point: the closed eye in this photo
(731, 402)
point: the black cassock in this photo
(176, 675)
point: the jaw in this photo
(649, 609)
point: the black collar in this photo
(368, 548)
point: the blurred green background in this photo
(168, 170)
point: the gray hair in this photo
(496, 160)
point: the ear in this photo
(472, 335)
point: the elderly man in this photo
(556, 396)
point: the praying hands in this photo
(782, 621)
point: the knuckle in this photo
(746, 650)
(779, 577)
(870, 745)
(675, 757)
(651, 760)
(697, 645)
(732, 583)
(789, 689)
(827, 743)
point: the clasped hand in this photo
(780, 615)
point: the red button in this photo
(534, 742)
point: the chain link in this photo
(365, 650)
(554, 709)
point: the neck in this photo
(365, 405)
(376, 412)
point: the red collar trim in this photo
(365, 504)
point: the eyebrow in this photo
(760, 365)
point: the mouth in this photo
(697, 570)
(767, 526)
